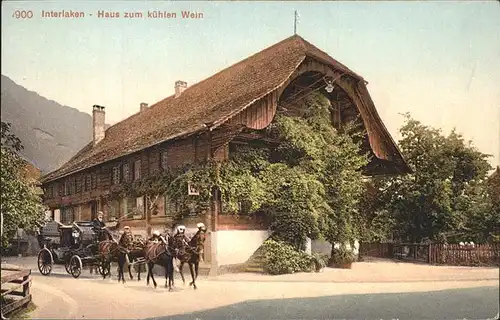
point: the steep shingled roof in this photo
(212, 100)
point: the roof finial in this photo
(295, 21)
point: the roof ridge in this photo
(235, 64)
(307, 49)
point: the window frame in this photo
(137, 169)
(115, 175)
(164, 160)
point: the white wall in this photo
(321, 246)
(324, 247)
(236, 246)
(57, 215)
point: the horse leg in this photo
(121, 263)
(193, 283)
(196, 268)
(105, 263)
(139, 272)
(182, 274)
(166, 267)
(170, 273)
(130, 272)
(150, 271)
(174, 262)
(129, 268)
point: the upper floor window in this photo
(164, 160)
(126, 172)
(78, 185)
(87, 182)
(71, 185)
(60, 189)
(66, 187)
(93, 181)
(116, 174)
(137, 169)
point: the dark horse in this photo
(134, 251)
(160, 253)
(110, 251)
(191, 253)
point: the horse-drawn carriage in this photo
(78, 246)
(74, 245)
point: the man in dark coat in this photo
(100, 227)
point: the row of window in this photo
(72, 185)
(82, 183)
(123, 172)
(135, 208)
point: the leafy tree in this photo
(435, 201)
(21, 206)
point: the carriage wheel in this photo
(75, 266)
(45, 261)
(104, 268)
(66, 266)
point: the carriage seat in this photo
(49, 234)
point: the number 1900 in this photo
(22, 14)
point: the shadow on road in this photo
(470, 303)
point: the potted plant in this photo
(342, 258)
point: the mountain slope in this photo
(50, 133)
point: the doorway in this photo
(93, 210)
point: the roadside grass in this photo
(23, 313)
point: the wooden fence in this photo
(375, 249)
(447, 254)
(15, 289)
(465, 255)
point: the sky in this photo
(440, 61)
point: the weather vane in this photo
(295, 21)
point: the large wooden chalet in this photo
(204, 121)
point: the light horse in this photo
(191, 253)
(160, 253)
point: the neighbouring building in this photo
(205, 121)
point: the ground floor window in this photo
(114, 210)
(133, 208)
(77, 213)
(67, 215)
(170, 206)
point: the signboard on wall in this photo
(192, 191)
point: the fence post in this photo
(26, 286)
(429, 254)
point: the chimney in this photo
(144, 106)
(98, 123)
(180, 86)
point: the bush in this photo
(342, 256)
(282, 258)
